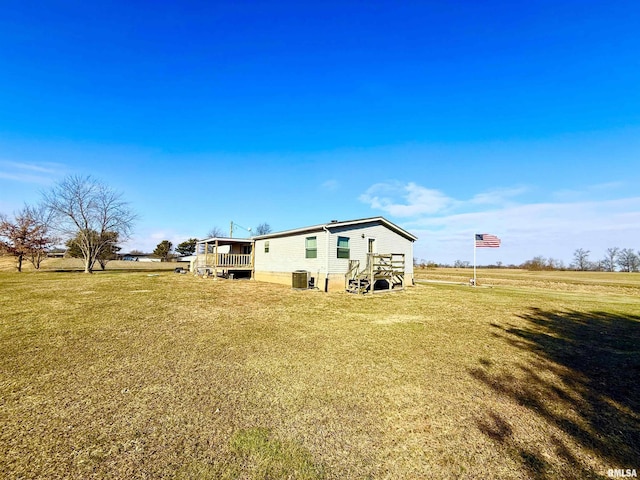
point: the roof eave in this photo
(330, 225)
(225, 239)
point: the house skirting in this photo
(336, 280)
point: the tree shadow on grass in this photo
(584, 380)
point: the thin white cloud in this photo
(498, 196)
(408, 200)
(41, 173)
(158, 236)
(591, 191)
(41, 168)
(413, 200)
(607, 186)
(330, 185)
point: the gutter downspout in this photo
(253, 259)
(326, 278)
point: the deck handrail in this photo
(225, 260)
(379, 266)
(234, 260)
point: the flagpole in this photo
(474, 259)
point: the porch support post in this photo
(215, 262)
(253, 258)
(206, 257)
(371, 271)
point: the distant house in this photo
(186, 261)
(363, 255)
(140, 257)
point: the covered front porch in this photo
(224, 257)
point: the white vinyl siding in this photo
(385, 241)
(288, 253)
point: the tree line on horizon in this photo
(615, 259)
(86, 216)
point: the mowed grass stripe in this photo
(131, 374)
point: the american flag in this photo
(487, 240)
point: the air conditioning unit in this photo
(300, 279)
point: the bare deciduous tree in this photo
(628, 260)
(83, 206)
(263, 229)
(27, 236)
(215, 232)
(610, 259)
(581, 259)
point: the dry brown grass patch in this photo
(121, 375)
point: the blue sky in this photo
(520, 119)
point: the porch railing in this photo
(234, 260)
(225, 260)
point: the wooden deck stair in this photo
(360, 284)
(387, 267)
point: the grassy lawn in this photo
(157, 375)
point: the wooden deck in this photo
(221, 264)
(380, 269)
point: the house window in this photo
(343, 247)
(266, 246)
(311, 247)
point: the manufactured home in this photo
(364, 255)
